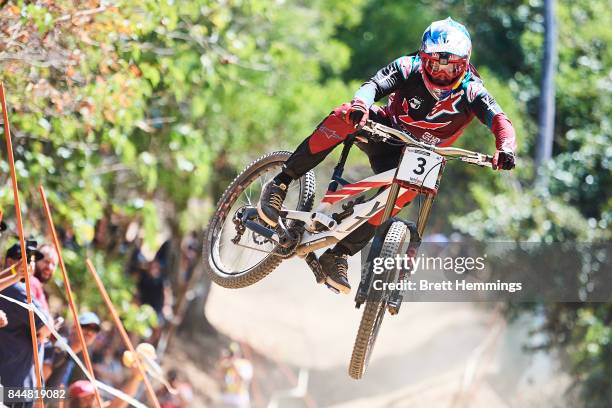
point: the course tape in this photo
(61, 343)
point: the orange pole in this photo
(11, 160)
(124, 336)
(73, 309)
(60, 402)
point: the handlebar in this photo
(467, 156)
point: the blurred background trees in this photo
(135, 115)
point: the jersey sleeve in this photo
(386, 80)
(488, 111)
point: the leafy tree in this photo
(574, 205)
(126, 112)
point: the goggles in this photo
(443, 68)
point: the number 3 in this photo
(420, 166)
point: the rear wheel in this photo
(376, 304)
(247, 261)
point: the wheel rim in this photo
(252, 249)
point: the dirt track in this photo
(425, 356)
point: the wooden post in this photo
(123, 333)
(11, 160)
(68, 289)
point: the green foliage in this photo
(124, 111)
(571, 200)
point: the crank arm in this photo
(261, 230)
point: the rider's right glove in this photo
(503, 160)
(357, 114)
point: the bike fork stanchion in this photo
(366, 276)
(424, 214)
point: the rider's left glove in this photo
(357, 114)
(503, 160)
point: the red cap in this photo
(80, 389)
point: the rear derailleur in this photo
(285, 239)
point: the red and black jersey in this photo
(412, 108)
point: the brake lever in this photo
(479, 161)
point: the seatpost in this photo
(339, 169)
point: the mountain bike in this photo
(240, 249)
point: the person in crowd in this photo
(46, 267)
(10, 275)
(13, 271)
(13, 258)
(16, 353)
(237, 373)
(154, 290)
(3, 319)
(81, 393)
(181, 398)
(137, 262)
(58, 366)
(108, 367)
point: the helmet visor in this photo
(443, 69)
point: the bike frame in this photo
(387, 202)
(391, 197)
(342, 211)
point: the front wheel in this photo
(376, 304)
(237, 264)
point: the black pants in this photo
(331, 132)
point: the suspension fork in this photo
(396, 297)
(425, 209)
(390, 204)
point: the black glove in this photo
(357, 114)
(503, 160)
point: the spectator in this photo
(108, 366)
(43, 272)
(10, 276)
(13, 270)
(137, 263)
(58, 367)
(13, 256)
(3, 319)
(45, 267)
(154, 290)
(81, 393)
(237, 373)
(16, 354)
(181, 398)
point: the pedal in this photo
(336, 291)
(360, 299)
(393, 306)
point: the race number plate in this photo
(420, 168)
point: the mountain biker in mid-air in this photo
(433, 94)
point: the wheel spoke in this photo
(235, 259)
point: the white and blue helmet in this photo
(445, 56)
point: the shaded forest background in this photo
(135, 115)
